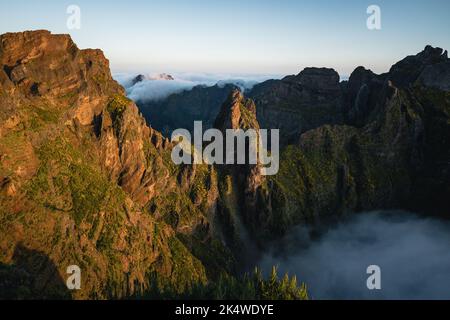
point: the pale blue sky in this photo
(245, 36)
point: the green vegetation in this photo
(38, 117)
(184, 268)
(116, 107)
(184, 273)
(175, 208)
(64, 182)
(248, 119)
(434, 98)
(248, 287)
(101, 79)
(215, 256)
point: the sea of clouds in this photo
(412, 252)
(154, 90)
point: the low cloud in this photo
(154, 90)
(413, 254)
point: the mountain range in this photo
(86, 176)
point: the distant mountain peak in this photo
(161, 76)
(152, 77)
(316, 78)
(137, 79)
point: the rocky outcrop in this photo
(299, 103)
(405, 72)
(362, 92)
(436, 76)
(236, 113)
(239, 184)
(319, 79)
(137, 79)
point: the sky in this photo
(242, 37)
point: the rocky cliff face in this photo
(393, 153)
(299, 103)
(84, 181)
(413, 68)
(315, 97)
(362, 93)
(239, 185)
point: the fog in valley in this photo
(411, 251)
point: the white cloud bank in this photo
(413, 254)
(153, 90)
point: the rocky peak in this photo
(317, 79)
(362, 91)
(360, 75)
(431, 55)
(160, 76)
(29, 45)
(137, 79)
(299, 103)
(237, 112)
(40, 64)
(437, 73)
(405, 72)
